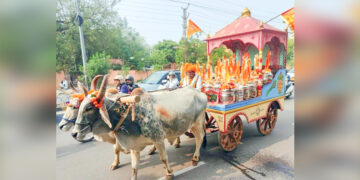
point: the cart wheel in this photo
(230, 139)
(266, 125)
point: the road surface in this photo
(258, 157)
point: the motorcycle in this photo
(290, 85)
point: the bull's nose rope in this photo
(70, 120)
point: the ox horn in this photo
(94, 81)
(83, 88)
(102, 88)
(73, 88)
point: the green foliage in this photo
(98, 64)
(157, 67)
(104, 30)
(116, 67)
(219, 53)
(196, 51)
(164, 52)
(290, 53)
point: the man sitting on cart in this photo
(192, 79)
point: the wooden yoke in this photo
(130, 100)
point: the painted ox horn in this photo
(83, 88)
(102, 89)
(73, 88)
(94, 81)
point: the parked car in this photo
(156, 79)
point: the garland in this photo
(95, 101)
(80, 97)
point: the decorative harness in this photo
(123, 116)
(70, 120)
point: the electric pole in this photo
(79, 21)
(185, 17)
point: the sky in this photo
(157, 20)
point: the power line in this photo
(152, 21)
(200, 6)
(147, 10)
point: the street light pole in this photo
(82, 42)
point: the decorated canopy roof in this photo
(244, 30)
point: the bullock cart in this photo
(250, 35)
(228, 118)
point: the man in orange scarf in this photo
(192, 79)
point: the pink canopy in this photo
(246, 31)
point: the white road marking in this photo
(182, 171)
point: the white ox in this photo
(71, 112)
(161, 115)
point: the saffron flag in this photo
(192, 28)
(289, 18)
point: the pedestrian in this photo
(121, 85)
(64, 84)
(130, 83)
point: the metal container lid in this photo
(226, 90)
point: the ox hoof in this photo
(194, 163)
(151, 152)
(169, 177)
(177, 145)
(113, 167)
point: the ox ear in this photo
(105, 115)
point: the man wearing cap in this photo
(173, 82)
(120, 85)
(191, 79)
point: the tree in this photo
(196, 51)
(163, 53)
(104, 30)
(219, 53)
(290, 53)
(98, 64)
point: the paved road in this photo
(258, 157)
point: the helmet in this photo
(131, 78)
(171, 73)
(119, 77)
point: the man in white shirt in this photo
(172, 83)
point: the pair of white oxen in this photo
(158, 116)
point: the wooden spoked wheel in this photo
(266, 125)
(231, 138)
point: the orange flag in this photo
(237, 71)
(208, 68)
(203, 72)
(267, 63)
(231, 65)
(192, 28)
(289, 18)
(197, 68)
